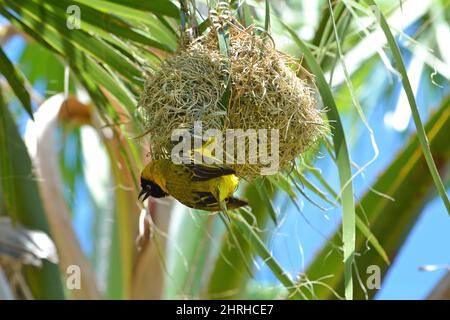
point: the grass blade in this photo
(267, 17)
(77, 60)
(360, 224)
(45, 22)
(261, 186)
(245, 15)
(107, 26)
(236, 251)
(16, 82)
(389, 221)
(423, 140)
(134, 9)
(342, 161)
(252, 237)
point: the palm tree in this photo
(71, 148)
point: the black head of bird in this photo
(150, 188)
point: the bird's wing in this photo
(204, 200)
(203, 172)
(207, 201)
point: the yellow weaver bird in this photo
(198, 186)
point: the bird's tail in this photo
(234, 203)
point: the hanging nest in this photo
(265, 93)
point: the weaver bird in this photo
(198, 186)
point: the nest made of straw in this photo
(265, 93)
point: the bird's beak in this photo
(145, 193)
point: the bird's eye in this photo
(146, 184)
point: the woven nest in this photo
(265, 93)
